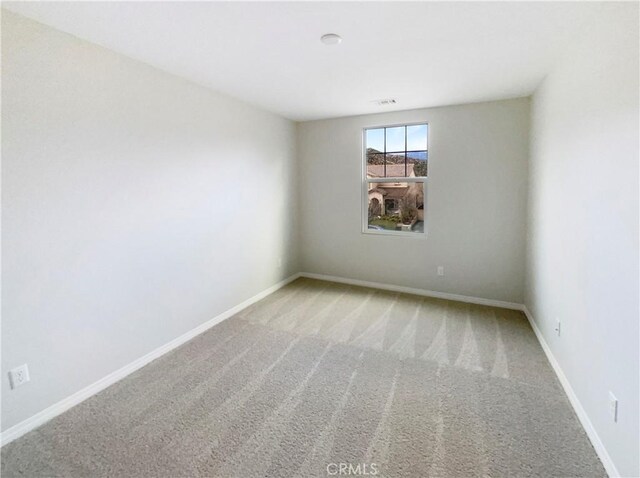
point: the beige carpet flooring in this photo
(320, 376)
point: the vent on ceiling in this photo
(385, 102)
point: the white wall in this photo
(583, 223)
(475, 204)
(136, 206)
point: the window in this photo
(395, 177)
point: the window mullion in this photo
(384, 155)
(405, 151)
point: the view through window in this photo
(396, 167)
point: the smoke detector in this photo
(331, 39)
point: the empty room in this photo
(317, 239)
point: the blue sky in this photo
(416, 138)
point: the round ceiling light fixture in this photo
(331, 39)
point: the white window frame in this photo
(365, 186)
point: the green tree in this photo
(420, 168)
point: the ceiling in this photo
(269, 53)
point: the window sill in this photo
(414, 235)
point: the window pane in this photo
(395, 139)
(417, 137)
(417, 163)
(395, 165)
(396, 206)
(375, 139)
(375, 165)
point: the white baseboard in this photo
(411, 290)
(62, 406)
(601, 451)
(47, 414)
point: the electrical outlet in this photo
(613, 407)
(558, 327)
(19, 376)
(440, 271)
